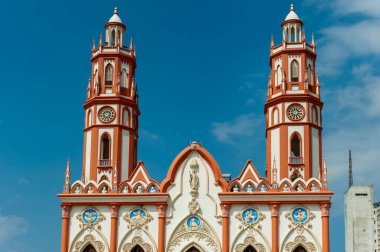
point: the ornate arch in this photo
(300, 240)
(185, 234)
(137, 241)
(250, 241)
(195, 246)
(89, 239)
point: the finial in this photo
(131, 44)
(93, 44)
(291, 7)
(115, 10)
(274, 170)
(312, 39)
(303, 35)
(271, 41)
(101, 39)
(67, 176)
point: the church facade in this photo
(117, 207)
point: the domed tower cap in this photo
(115, 19)
(292, 16)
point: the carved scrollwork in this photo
(250, 217)
(137, 241)
(185, 232)
(300, 240)
(325, 207)
(250, 241)
(138, 217)
(161, 210)
(300, 217)
(89, 218)
(89, 239)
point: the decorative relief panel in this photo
(90, 218)
(300, 217)
(196, 230)
(137, 241)
(89, 239)
(249, 218)
(300, 240)
(138, 218)
(250, 241)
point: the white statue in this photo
(139, 189)
(153, 189)
(104, 190)
(235, 188)
(314, 188)
(125, 189)
(194, 180)
(249, 188)
(286, 188)
(77, 189)
(300, 188)
(263, 188)
(90, 191)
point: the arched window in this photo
(96, 78)
(124, 78)
(294, 70)
(295, 146)
(300, 249)
(112, 39)
(279, 75)
(89, 248)
(309, 74)
(275, 116)
(126, 117)
(89, 118)
(249, 249)
(292, 34)
(109, 73)
(137, 248)
(105, 147)
(193, 249)
(315, 115)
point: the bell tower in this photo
(293, 108)
(111, 108)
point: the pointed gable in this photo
(249, 172)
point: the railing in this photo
(104, 163)
(295, 160)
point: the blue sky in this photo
(202, 75)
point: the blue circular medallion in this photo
(90, 216)
(193, 223)
(137, 215)
(250, 215)
(300, 215)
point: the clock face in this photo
(106, 115)
(295, 112)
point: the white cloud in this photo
(340, 43)
(240, 127)
(365, 7)
(149, 135)
(11, 227)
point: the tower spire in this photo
(350, 177)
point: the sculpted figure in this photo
(194, 180)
